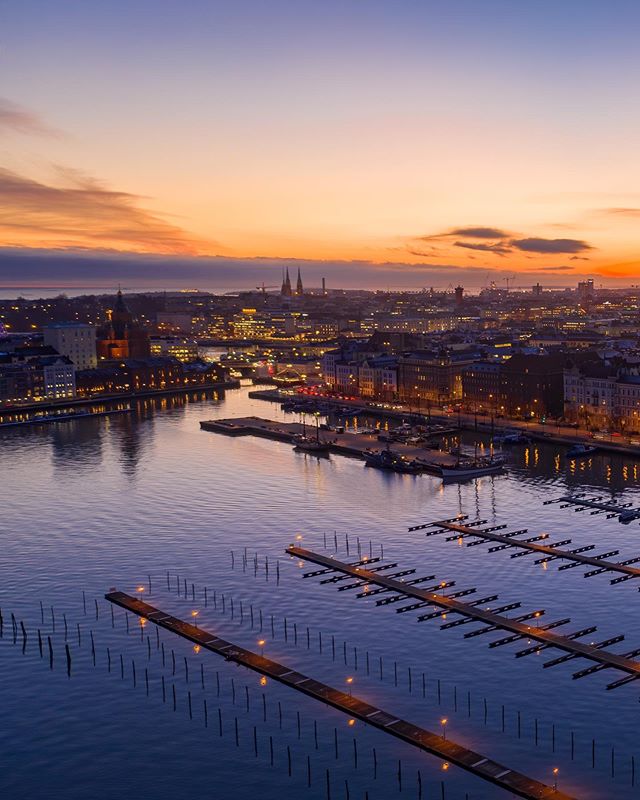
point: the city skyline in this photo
(401, 147)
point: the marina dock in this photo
(346, 444)
(427, 741)
(550, 552)
(493, 620)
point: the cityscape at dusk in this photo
(319, 400)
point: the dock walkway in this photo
(346, 444)
(551, 552)
(494, 622)
(425, 740)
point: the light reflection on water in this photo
(90, 504)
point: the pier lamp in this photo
(140, 589)
(351, 722)
(349, 683)
(555, 778)
(537, 617)
(443, 723)
(194, 615)
(443, 586)
(445, 766)
(299, 537)
(263, 680)
(196, 648)
(261, 644)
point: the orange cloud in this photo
(81, 212)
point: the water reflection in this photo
(76, 445)
(547, 462)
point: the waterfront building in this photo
(532, 386)
(28, 377)
(122, 337)
(20, 383)
(481, 385)
(437, 377)
(183, 349)
(59, 377)
(75, 340)
(378, 377)
(159, 373)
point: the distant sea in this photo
(36, 292)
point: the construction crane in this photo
(264, 288)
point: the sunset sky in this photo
(412, 143)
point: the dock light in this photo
(351, 722)
(143, 622)
(196, 648)
(555, 778)
(349, 683)
(445, 766)
(443, 586)
(299, 537)
(263, 680)
(261, 643)
(443, 722)
(140, 589)
(537, 617)
(194, 614)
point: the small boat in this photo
(517, 437)
(309, 445)
(474, 469)
(388, 459)
(581, 450)
(626, 517)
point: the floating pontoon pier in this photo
(449, 751)
(493, 620)
(598, 505)
(550, 552)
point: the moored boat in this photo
(390, 460)
(310, 445)
(472, 469)
(581, 450)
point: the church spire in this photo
(299, 287)
(286, 288)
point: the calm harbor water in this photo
(92, 504)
